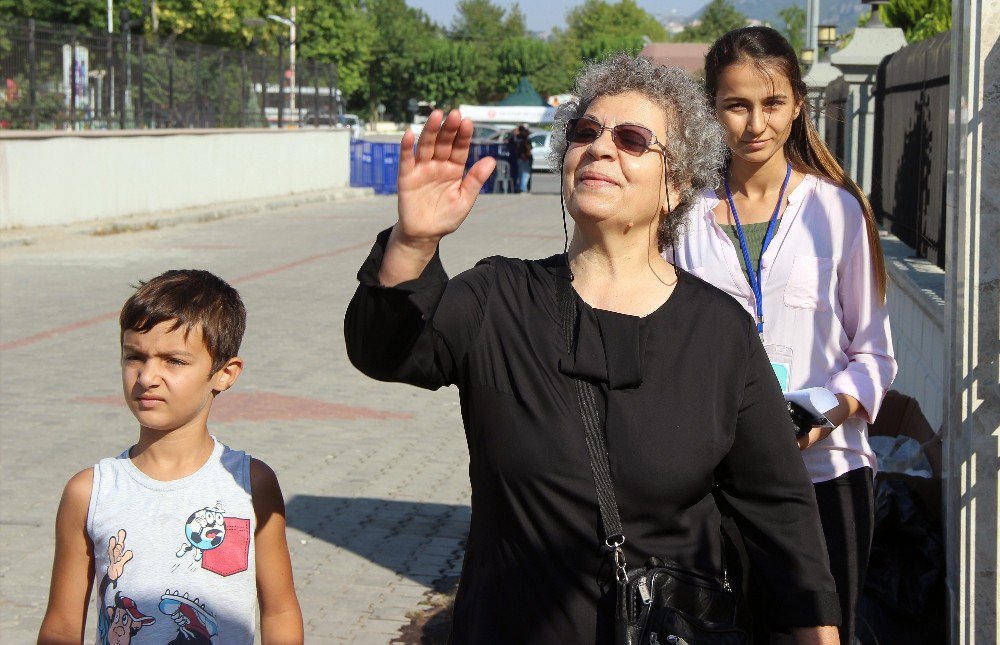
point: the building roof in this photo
(688, 56)
(524, 94)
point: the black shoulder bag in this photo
(661, 603)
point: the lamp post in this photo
(826, 38)
(821, 73)
(290, 23)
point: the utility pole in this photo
(290, 23)
(291, 65)
(812, 25)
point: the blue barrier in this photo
(376, 165)
(385, 168)
(356, 163)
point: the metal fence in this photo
(836, 96)
(909, 168)
(65, 77)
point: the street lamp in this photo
(290, 23)
(806, 57)
(826, 38)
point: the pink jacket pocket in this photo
(810, 283)
(233, 555)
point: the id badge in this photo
(781, 362)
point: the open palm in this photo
(434, 198)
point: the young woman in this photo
(794, 241)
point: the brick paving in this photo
(375, 476)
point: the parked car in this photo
(325, 119)
(540, 149)
(482, 132)
(313, 119)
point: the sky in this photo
(543, 15)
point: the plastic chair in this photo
(502, 181)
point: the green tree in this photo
(402, 34)
(794, 18)
(485, 26)
(87, 13)
(519, 57)
(596, 19)
(481, 22)
(341, 32)
(598, 48)
(564, 61)
(515, 25)
(919, 19)
(444, 73)
(215, 22)
(719, 17)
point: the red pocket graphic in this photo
(233, 555)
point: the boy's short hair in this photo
(189, 297)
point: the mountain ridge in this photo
(843, 13)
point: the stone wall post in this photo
(972, 325)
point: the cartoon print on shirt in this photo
(196, 625)
(220, 544)
(205, 529)
(120, 622)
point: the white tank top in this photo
(184, 572)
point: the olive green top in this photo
(754, 234)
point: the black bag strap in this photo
(597, 448)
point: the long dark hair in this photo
(768, 50)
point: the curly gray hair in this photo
(695, 149)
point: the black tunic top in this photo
(691, 410)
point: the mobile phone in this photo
(804, 420)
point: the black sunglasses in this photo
(629, 137)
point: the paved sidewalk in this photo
(375, 475)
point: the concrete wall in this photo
(51, 178)
(915, 297)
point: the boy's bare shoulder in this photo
(265, 490)
(79, 489)
(261, 475)
(74, 506)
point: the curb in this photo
(162, 219)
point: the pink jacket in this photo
(819, 301)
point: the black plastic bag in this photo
(903, 599)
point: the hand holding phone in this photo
(804, 420)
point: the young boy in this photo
(182, 533)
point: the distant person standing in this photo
(524, 158)
(512, 141)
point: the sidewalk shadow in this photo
(424, 542)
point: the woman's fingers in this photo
(428, 137)
(406, 154)
(463, 138)
(474, 180)
(444, 145)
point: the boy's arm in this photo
(280, 616)
(72, 568)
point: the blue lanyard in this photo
(756, 275)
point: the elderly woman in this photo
(690, 409)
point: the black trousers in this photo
(847, 511)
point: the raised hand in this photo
(434, 198)
(117, 555)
